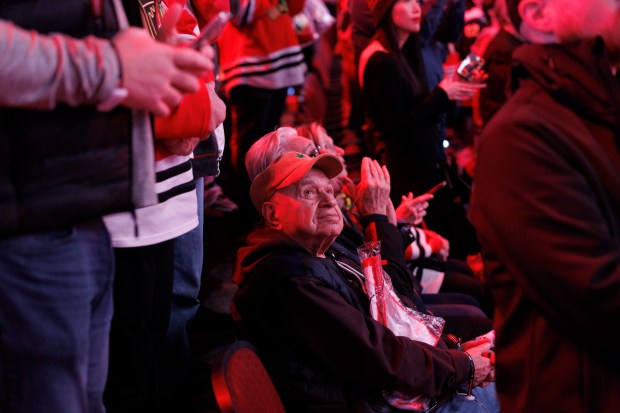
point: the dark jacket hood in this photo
(565, 72)
(262, 242)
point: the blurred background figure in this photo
(548, 174)
(408, 116)
(496, 49)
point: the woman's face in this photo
(407, 15)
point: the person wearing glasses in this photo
(302, 303)
(456, 305)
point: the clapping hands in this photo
(372, 194)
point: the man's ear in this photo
(270, 215)
(537, 15)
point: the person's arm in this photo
(371, 199)
(451, 26)
(377, 228)
(41, 71)
(328, 332)
(432, 12)
(191, 120)
(416, 247)
(536, 210)
(182, 130)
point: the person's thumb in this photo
(168, 30)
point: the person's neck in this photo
(317, 248)
(509, 28)
(402, 37)
(532, 35)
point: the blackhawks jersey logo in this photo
(152, 11)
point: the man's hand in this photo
(476, 345)
(482, 363)
(155, 74)
(372, 193)
(458, 90)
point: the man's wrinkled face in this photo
(574, 19)
(307, 210)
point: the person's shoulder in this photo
(289, 262)
(530, 127)
(373, 59)
(275, 268)
(375, 52)
(382, 58)
(526, 106)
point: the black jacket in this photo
(546, 205)
(310, 321)
(70, 164)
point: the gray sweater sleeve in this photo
(39, 71)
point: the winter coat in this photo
(549, 172)
(309, 318)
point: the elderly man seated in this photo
(462, 319)
(307, 313)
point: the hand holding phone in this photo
(470, 69)
(212, 30)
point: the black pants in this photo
(142, 293)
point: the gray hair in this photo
(271, 146)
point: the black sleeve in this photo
(323, 330)
(392, 253)
(452, 23)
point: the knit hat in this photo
(513, 12)
(379, 8)
(287, 170)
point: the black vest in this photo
(67, 165)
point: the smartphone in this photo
(212, 30)
(469, 65)
(436, 188)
